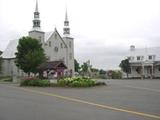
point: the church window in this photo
(56, 49)
(55, 36)
(70, 44)
(70, 56)
(61, 45)
(49, 43)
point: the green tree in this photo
(125, 66)
(84, 68)
(116, 75)
(1, 52)
(76, 65)
(101, 71)
(29, 55)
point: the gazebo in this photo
(55, 68)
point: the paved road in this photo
(120, 100)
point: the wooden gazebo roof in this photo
(52, 65)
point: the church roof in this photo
(48, 35)
(11, 49)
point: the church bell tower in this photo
(66, 29)
(36, 31)
(70, 45)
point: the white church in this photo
(57, 48)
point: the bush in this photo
(5, 79)
(35, 82)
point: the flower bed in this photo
(64, 82)
(78, 82)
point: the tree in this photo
(1, 52)
(76, 65)
(116, 74)
(125, 66)
(101, 71)
(29, 55)
(84, 68)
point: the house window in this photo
(150, 57)
(138, 57)
(142, 57)
(129, 58)
(49, 43)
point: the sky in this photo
(103, 29)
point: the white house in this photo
(144, 62)
(56, 47)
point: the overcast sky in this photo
(103, 29)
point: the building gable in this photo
(52, 37)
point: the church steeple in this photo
(66, 29)
(36, 10)
(36, 20)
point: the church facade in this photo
(56, 47)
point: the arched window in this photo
(56, 49)
(49, 43)
(61, 45)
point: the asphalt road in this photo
(120, 100)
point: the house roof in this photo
(52, 65)
(11, 49)
(146, 52)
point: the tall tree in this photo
(29, 55)
(84, 68)
(125, 66)
(76, 65)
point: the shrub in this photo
(6, 79)
(35, 82)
